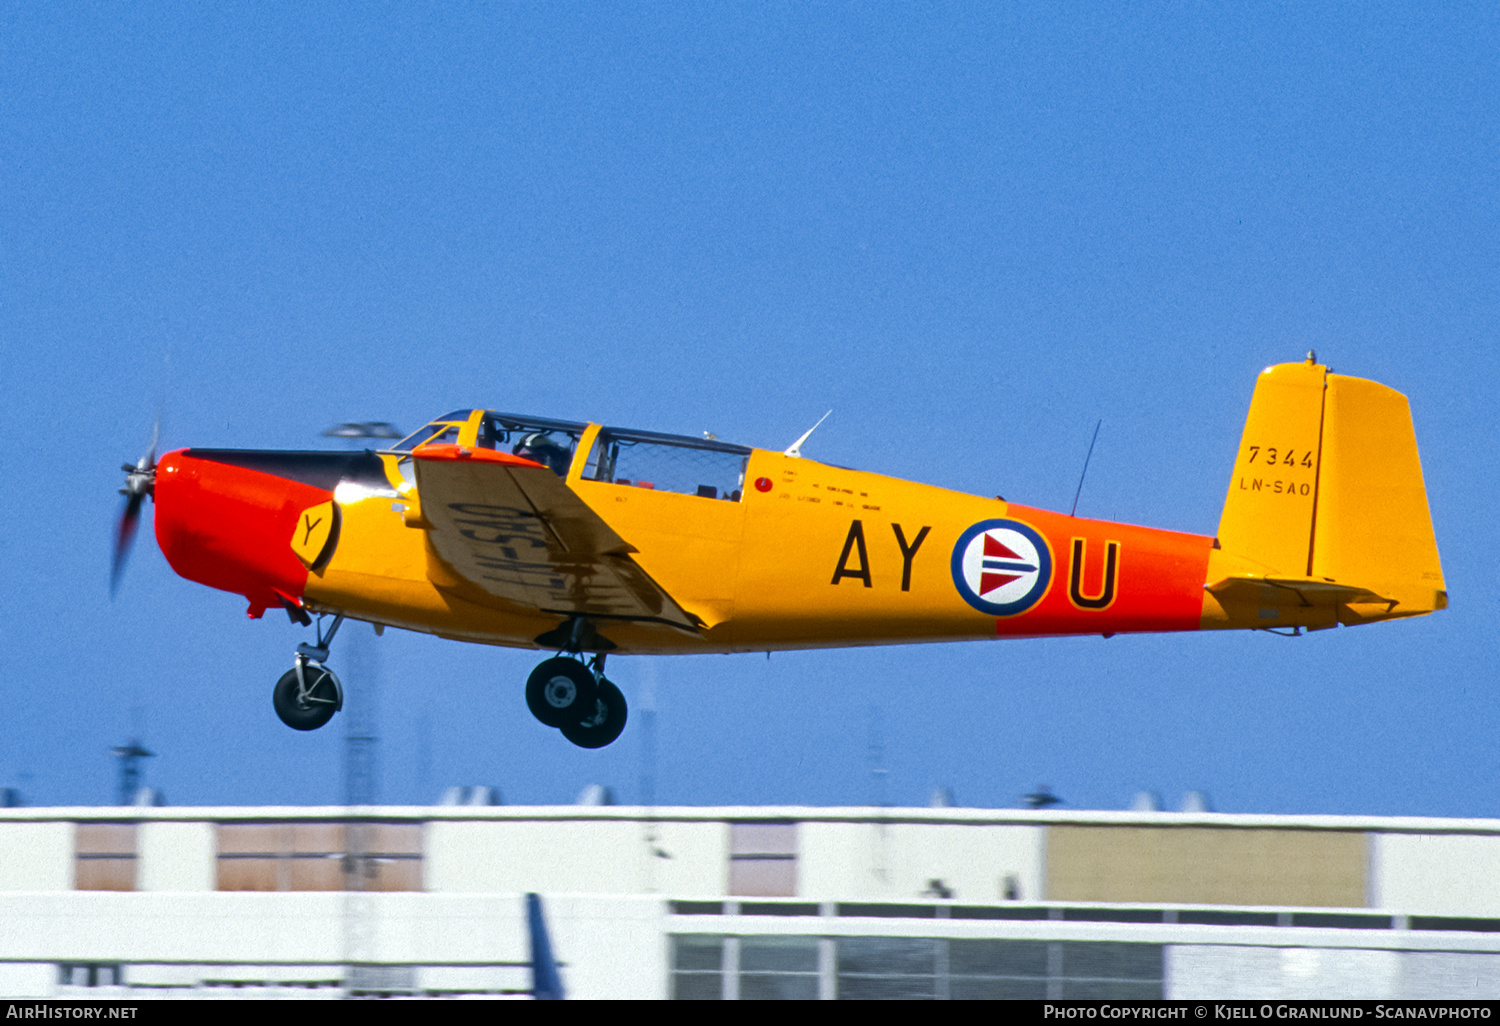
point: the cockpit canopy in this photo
(703, 467)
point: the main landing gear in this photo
(307, 695)
(563, 692)
(577, 699)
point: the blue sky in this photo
(970, 230)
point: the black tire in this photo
(607, 722)
(324, 697)
(560, 692)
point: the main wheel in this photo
(311, 709)
(560, 692)
(605, 725)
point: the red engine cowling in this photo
(230, 527)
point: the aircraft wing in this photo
(514, 529)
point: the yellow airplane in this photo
(589, 540)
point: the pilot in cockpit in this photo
(541, 447)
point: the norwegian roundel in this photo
(1002, 567)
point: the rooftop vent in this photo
(1196, 801)
(471, 795)
(595, 794)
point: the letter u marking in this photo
(1111, 571)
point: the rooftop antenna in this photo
(795, 449)
(649, 834)
(878, 776)
(878, 772)
(359, 772)
(130, 755)
(1041, 798)
(355, 431)
(424, 758)
(361, 722)
(1085, 467)
(648, 736)
(15, 797)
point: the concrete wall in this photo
(27, 979)
(852, 861)
(620, 856)
(1228, 972)
(1437, 874)
(175, 856)
(103, 926)
(609, 878)
(610, 947)
(1439, 867)
(1206, 865)
(36, 856)
(606, 946)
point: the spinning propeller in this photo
(140, 481)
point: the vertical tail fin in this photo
(1326, 520)
(546, 981)
(1269, 512)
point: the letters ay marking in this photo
(854, 545)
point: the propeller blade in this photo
(130, 519)
(140, 481)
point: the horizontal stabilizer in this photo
(1311, 591)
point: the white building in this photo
(747, 902)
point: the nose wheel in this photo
(577, 699)
(307, 695)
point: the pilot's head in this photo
(539, 446)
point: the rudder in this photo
(1373, 525)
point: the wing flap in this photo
(515, 530)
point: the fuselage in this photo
(589, 540)
(789, 553)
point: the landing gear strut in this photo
(307, 695)
(577, 699)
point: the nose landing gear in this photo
(307, 695)
(577, 699)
